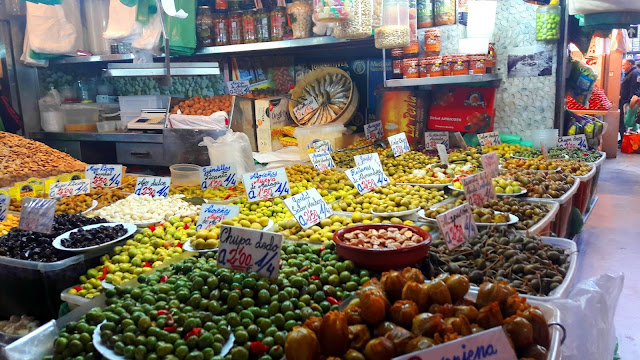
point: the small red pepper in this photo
(186, 226)
(238, 288)
(163, 312)
(258, 348)
(193, 332)
(152, 228)
(179, 245)
(170, 329)
(228, 196)
(322, 248)
(164, 278)
(77, 288)
(146, 264)
(314, 277)
(333, 301)
(105, 271)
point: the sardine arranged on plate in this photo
(331, 92)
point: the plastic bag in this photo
(620, 41)
(55, 29)
(232, 147)
(122, 21)
(181, 31)
(581, 81)
(217, 121)
(150, 38)
(26, 54)
(592, 336)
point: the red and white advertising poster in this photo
(460, 108)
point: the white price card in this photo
(478, 188)
(367, 177)
(490, 164)
(267, 184)
(103, 175)
(212, 214)
(153, 186)
(238, 87)
(573, 142)
(433, 138)
(321, 146)
(221, 175)
(308, 208)
(4, 206)
(491, 344)
(322, 161)
(305, 107)
(399, 144)
(442, 153)
(250, 250)
(37, 214)
(68, 188)
(366, 158)
(489, 139)
(373, 130)
(457, 225)
(460, 140)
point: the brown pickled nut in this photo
(390, 238)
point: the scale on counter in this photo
(150, 119)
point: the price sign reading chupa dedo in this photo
(399, 144)
(366, 158)
(442, 154)
(267, 184)
(4, 206)
(153, 186)
(478, 188)
(433, 138)
(367, 177)
(212, 214)
(322, 161)
(489, 139)
(221, 175)
(373, 130)
(68, 188)
(573, 142)
(249, 250)
(490, 164)
(37, 214)
(457, 225)
(103, 175)
(308, 208)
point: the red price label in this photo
(64, 192)
(311, 216)
(265, 193)
(239, 259)
(487, 142)
(457, 235)
(215, 183)
(368, 184)
(147, 190)
(99, 181)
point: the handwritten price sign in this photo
(321, 146)
(37, 214)
(433, 138)
(489, 139)
(267, 184)
(305, 107)
(367, 177)
(457, 225)
(322, 161)
(68, 188)
(573, 142)
(442, 154)
(367, 158)
(460, 140)
(249, 250)
(4, 206)
(478, 188)
(308, 208)
(490, 164)
(399, 144)
(102, 175)
(373, 130)
(212, 214)
(221, 175)
(153, 186)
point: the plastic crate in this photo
(583, 195)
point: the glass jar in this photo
(204, 27)
(360, 23)
(477, 64)
(425, 14)
(278, 18)
(459, 65)
(445, 12)
(235, 28)
(435, 66)
(446, 65)
(490, 61)
(221, 27)
(414, 45)
(548, 22)
(332, 11)
(376, 17)
(410, 68)
(432, 44)
(249, 26)
(300, 17)
(422, 68)
(397, 58)
(395, 30)
(262, 25)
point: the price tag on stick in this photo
(457, 225)
(366, 158)
(153, 186)
(373, 130)
(460, 140)
(399, 144)
(433, 138)
(212, 214)
(37, 214)
(367, 177)
(573, 142)
(4, 206)
(249, 250)
(221, 175)
(322, 161)
(442, 153)
(478, 188)
(267, 184)
(321, 146)
(102, 175)
(490, 164)
(308, 208)
(68, 188)
(489, 139)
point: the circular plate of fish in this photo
(321, 97)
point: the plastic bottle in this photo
(548, 22)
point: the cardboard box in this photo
(403, 111)
(271, 115)
(460, 108)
